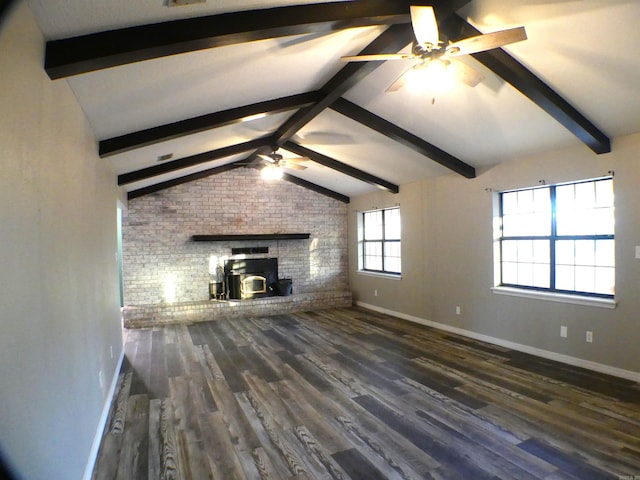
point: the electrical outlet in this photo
(458, 310)
(589, 337)
(375, 293)
(563, 331)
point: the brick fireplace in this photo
(159, 252)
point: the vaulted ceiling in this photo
(213, 84)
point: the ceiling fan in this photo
(437, 60)
(276, 162)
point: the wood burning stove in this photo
(251, 277)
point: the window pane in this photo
(512, 225)
(604, 193)
(373, 255)
(392, 265)
(509, 203)
(373, 225)
(565, 277)
(604, 220)
(541, 251)
(586, 195)
(565, 252)
(392, 249)
(605, 253)
(585, 279)
(392, 257)
(525, 251)
(565, 197)
(585, 208)
(510, 273)
(541, 276)
(605, 280)
(525, 274)
(526, 212)
(509, 250)
(585, 252)
(392, 224)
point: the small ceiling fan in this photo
(435, 57)
(275, 159)
(273, 170)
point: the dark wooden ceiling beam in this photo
(392, 131)
(392, 40)
(341, 167)
(73, 56)
(186, 162)
(163, 133)
(180, 180)
(521, 78)
(316, 188)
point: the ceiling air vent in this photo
(178, 3)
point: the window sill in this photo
(380, 274)
(556, 297)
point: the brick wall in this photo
(157, 229)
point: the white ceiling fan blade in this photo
(425, 27)
(399, 82)
(466, 74)
(480, 43)
(266, 158)
(378, 57)
(296, 160)
(294, 166)
(324, 138)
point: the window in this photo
(559, 238)
(379, 246)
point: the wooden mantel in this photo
(250, 236)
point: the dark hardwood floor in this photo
(350, 393)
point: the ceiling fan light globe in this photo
(416, 78)
(440, 76)
(271, 172)
(435, 76)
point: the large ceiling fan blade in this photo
(425, 27)
(466, 74)
(297, 160)
(267, 157)
(324, 138)
(294, 166)
(378, 57)
(399, 82)
(480, 43)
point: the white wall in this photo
(448, 258)
(58, 275)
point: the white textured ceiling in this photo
(585, 50)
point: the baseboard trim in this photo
(559, 357)
(95, 447)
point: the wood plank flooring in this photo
(350, 393)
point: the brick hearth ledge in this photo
(144, 316)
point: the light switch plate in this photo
(637, 251)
